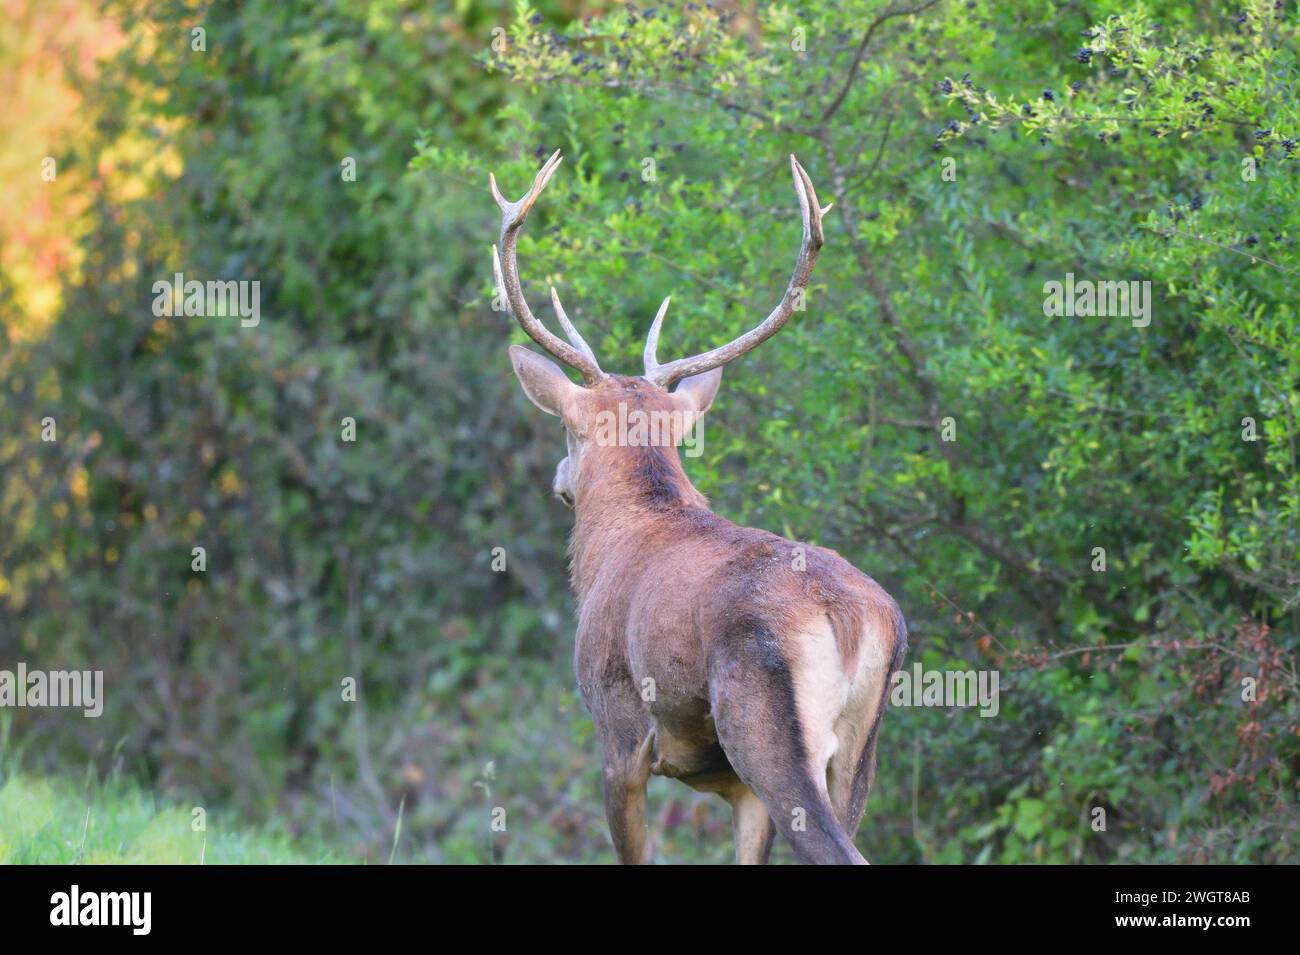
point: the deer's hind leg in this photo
(751, 824)
(627, 743)
(853, 765)
(761, 728)
(624, 778)
(852, 768)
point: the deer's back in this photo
(700, 587)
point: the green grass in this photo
(52, 821)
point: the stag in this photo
(726, 657)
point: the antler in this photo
(667, 375)
(504, 266)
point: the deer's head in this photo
(675, 394)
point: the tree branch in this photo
(889, 14)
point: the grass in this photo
(53, 821)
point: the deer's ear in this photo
(543, 382)
(700, 389)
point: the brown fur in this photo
(736, 661)
(718, 617)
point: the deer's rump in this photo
(756, 652)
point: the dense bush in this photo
(973, 151)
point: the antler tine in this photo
(813, 238)
(578, 341)
(519, 210)
(505, 269)
(652, 341)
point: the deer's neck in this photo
(629, 499)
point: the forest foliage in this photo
(1102, 510)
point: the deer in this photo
(731, 659)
